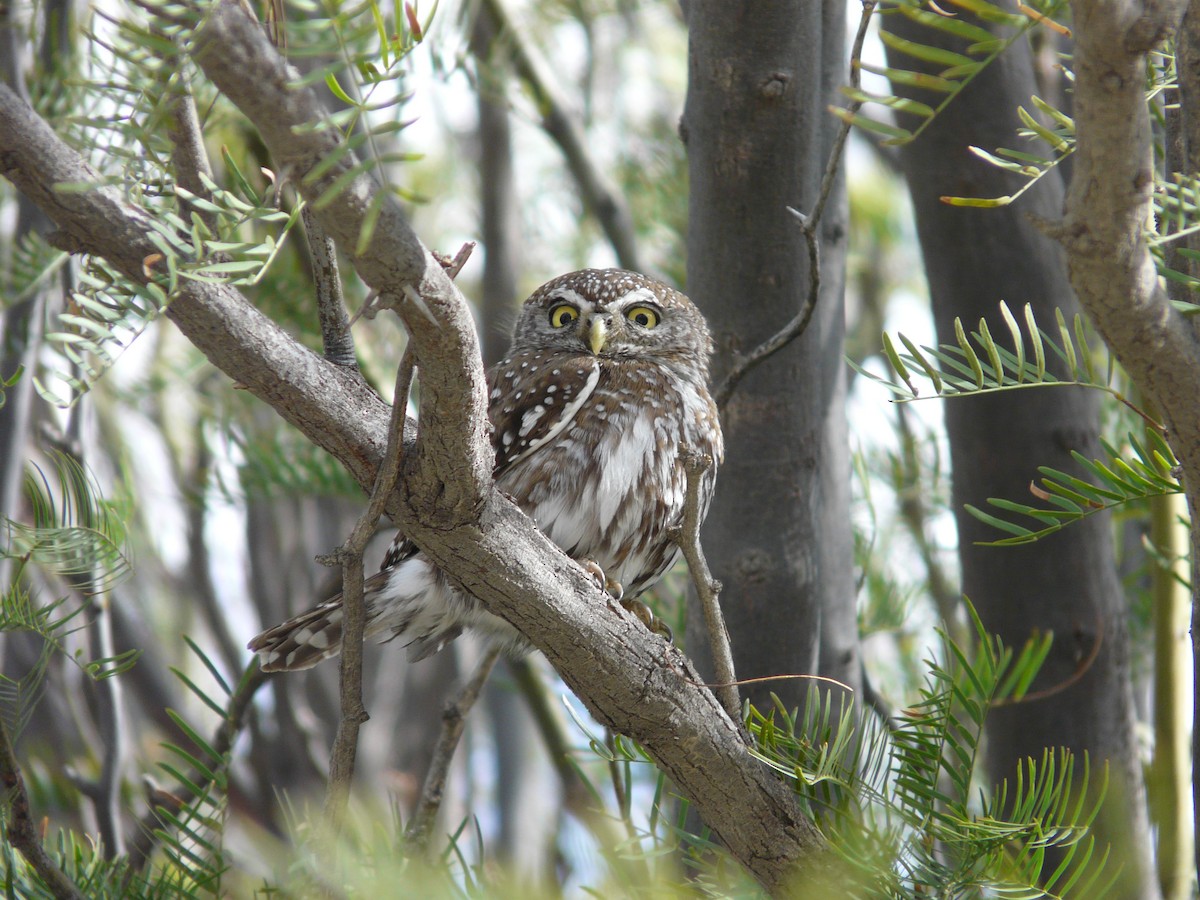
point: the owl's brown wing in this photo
(534, 396)
(400, 550)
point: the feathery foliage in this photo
(235, 233)
(900, 803)
(977, 364)
(952, 70)
(78, 535)
(1117, 480)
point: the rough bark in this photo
(1066, 584)
(1107, 207)
(447, 503)
(760, 77)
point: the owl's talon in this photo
(597, 574)
(641, 611)
(610, 586)
(643, 614)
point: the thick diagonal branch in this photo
(446, 502)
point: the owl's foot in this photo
(643, 614)
(606, 584)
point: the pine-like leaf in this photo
(954, 69)
(1115, 481)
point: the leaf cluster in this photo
(938, 74)
(977, 364)
(899, 802)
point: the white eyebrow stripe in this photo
(567, 294)
(640, 295)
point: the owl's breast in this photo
(609, 485)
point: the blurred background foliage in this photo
(210, 511)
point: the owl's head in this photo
(614, 313)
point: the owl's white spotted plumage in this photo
(606, 380)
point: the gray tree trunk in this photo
(499, 224)
(778, 534)
(1066, 584)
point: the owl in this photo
(605, 382)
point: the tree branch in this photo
(708, 589)
(810, 226)
(446, 502)
(336, 337)
(454, 721)
(1108, 260)
(1107, 206)
(350, 556)
(20, 828)
(601, 197)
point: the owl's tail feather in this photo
(410, 601)
(303, 641)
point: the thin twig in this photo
(454, 264)
(189, 159)
(193, 172)
(792, 330)
(336, 338)
(621, 794)
(165, 805)
(915, 515)
(601, 197)
(809, 226)
(687, 537)
(349, 555)
(21, 830)
(105, 791)
(354, 714)
(839, 140)
(454, 720)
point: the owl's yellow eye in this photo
(642, 315)
(563, 314)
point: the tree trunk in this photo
(778, 534)
(1066, 584)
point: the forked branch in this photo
(810, 227)
(687, 537)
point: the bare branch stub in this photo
(454, 264)
(687, 537)
(454, 721)
(350, 555)
(336, 337)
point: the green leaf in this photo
(913, 79)
(1003, 525)
(935, 55)
(893, 133)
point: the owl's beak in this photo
(597, 334)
